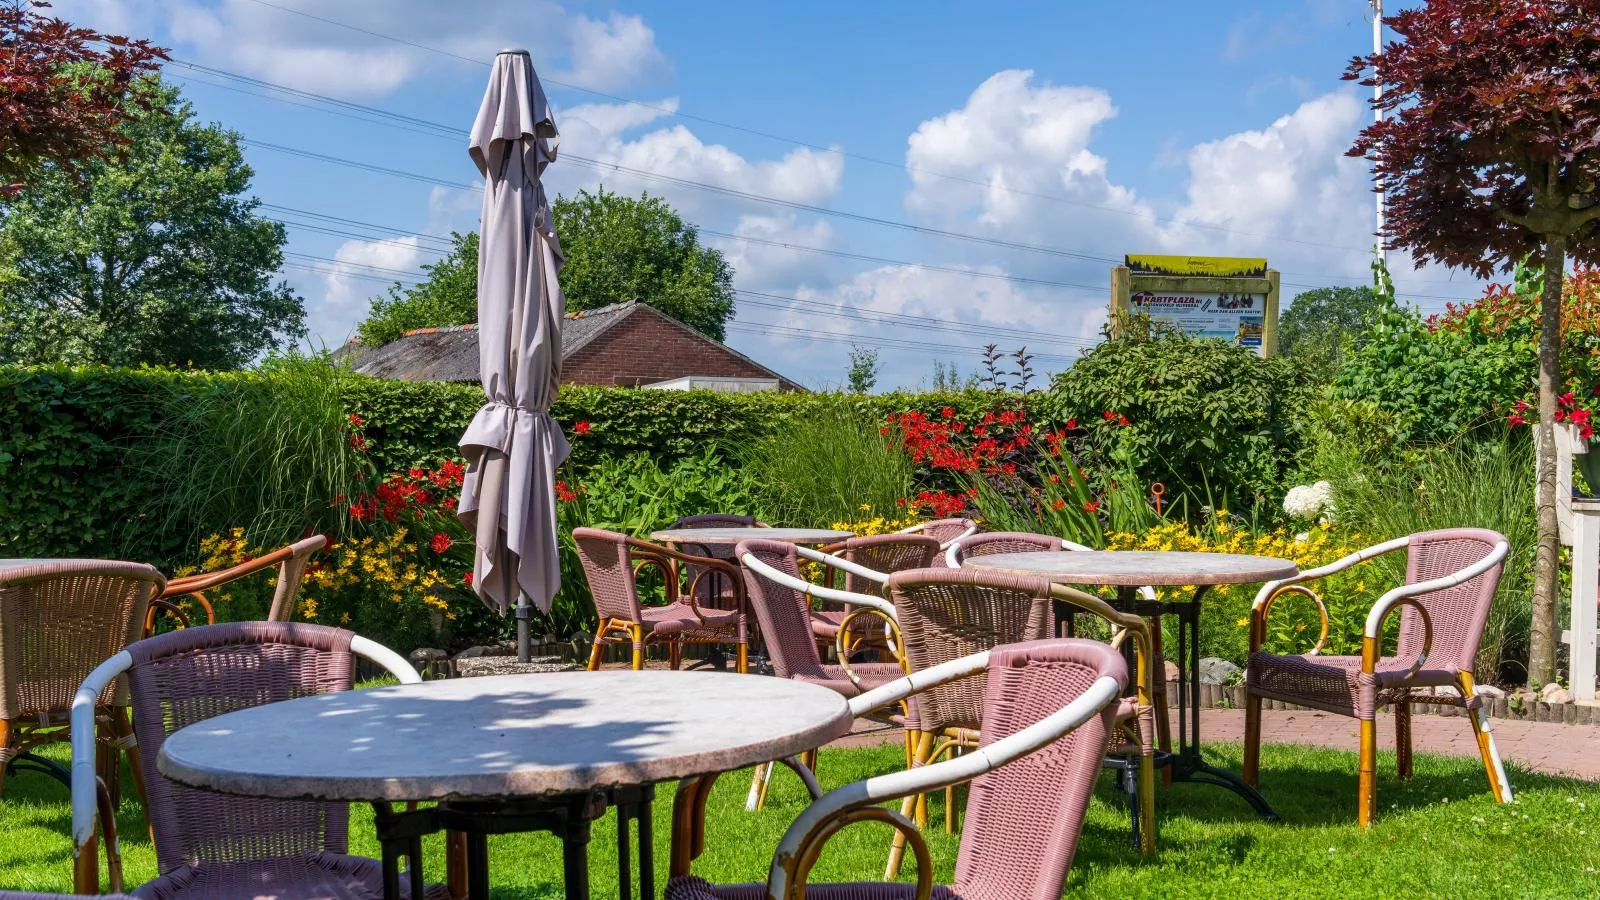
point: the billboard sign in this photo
(1234, 317)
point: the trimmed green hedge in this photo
(68, 435)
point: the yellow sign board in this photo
(1205, 266)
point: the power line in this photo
(779, 301)
(833, 337)
(755, 132)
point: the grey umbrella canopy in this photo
(513, 446)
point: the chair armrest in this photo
(842, 652)
(813, 590)
(969, 532)
(917, 682)
(179, 587)
(844, 565)
(392, 662)
(1128, 623)
(853, 802)
(1338, 565)
(82, 727)
(1261, 609)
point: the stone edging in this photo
(1231, 696)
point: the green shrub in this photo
(1216, 424)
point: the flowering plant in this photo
(1309, 501)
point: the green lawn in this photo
(1439, 836)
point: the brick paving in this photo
(1572, 750)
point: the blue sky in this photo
(1048, 139)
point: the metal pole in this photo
(1377, 111)
(523, 610)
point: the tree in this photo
(62, 99)
(1489, 152)
(617, 248)
(448, 296)
(621, 248)
(863, 374)
(156, 257)
(1320, 323)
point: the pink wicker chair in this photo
(943, 530)
(884, 554)
(612, 560)
(1049, 708)
(709, 589)
(58, 620)
(214, 845)
(1451, 577)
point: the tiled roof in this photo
(451, 354)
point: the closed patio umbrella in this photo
(512, 445)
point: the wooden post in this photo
(1121, 290)
(1269, 321)
(1581, 637)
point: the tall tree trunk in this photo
(1546, 574)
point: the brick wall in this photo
(647, 347)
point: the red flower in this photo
(1516, 420)
(1123, 421)
(901, 502)
(980, 431)
(1561, 415)
(1580, 416)
(467, 578)
(358, 443)
(449, 504)
(1059, 504)
(581, 428)
(1522, 405)
(415, 474)
(884, 431)
(1586, 432)
(1109, 416)
(564, 493)
(949, 412)
(988, 418)
(357, 421)
(1090, 506)
(441, 543)
(1072, 424)
(1566, 399)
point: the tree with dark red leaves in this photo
(62, 89)
(1490, 153)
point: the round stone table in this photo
(735, 535)
(546, 750)
(1129, 570)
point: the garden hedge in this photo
(66, 435)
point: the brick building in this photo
(625, 344)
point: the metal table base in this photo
(567, 817)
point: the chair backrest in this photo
(942, 530)
(887, 553)
(188, 676)
(1024, 818)
(58, 621)
(946, 614)
(608, 565)
(993, 542)
(782, 612)
(1458, 613)
(702, 587)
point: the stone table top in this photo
(504, 736)
(1138, 567)
(735, 535)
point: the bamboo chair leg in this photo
(1252, 739)
(897, 850)
(758, 788)
(637, 633)
(599, 647)
(1499, 785)
(674, 655)
(455, 864)
(122, 728)
(743, 665)
(1159, 701)
(5, 754)
(1402, 740)
(1367, 789)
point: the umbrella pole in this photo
(524, 610)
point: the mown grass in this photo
(1439, 836)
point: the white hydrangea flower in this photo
(1308, 501)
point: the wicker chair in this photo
(612, 560)
(58, 620)
(1451, 577)
(290, 561)
(707, 586)
(943, 530)
(884, 554)
(1049, 706)
(780, 599)
(209, 844)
